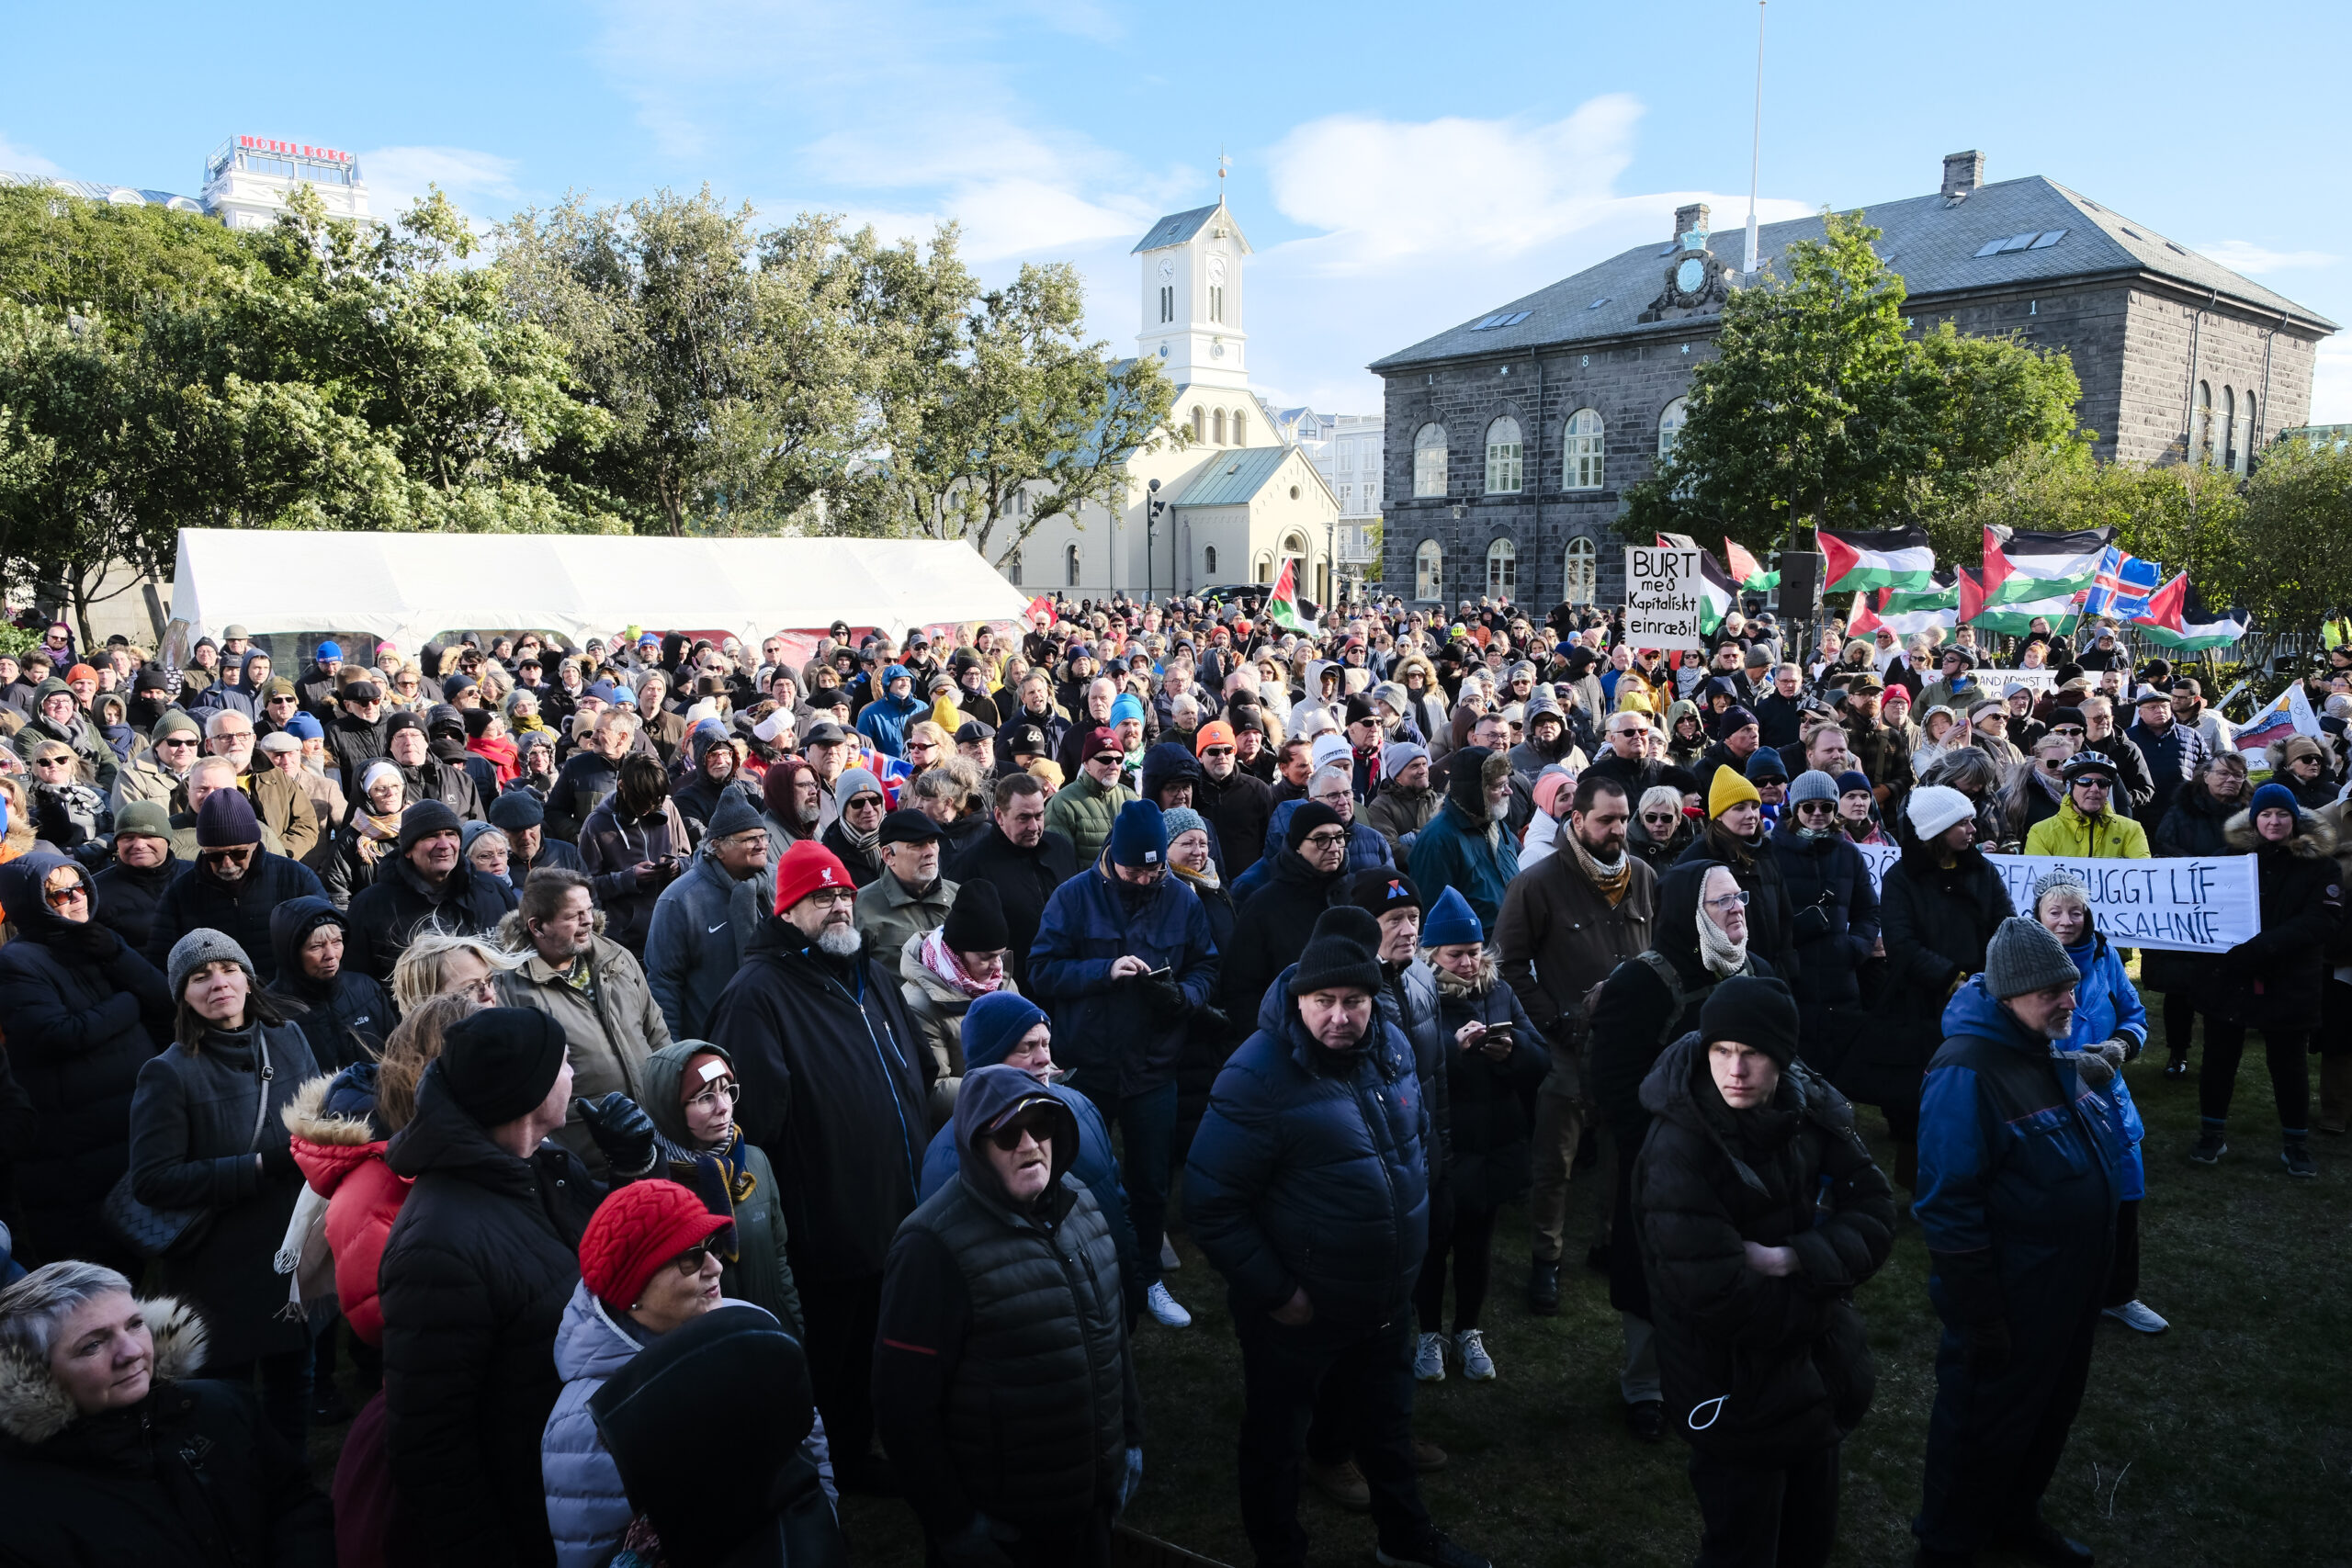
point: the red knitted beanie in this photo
(637, 1230)
(805, 867)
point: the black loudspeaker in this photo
(1800, 585)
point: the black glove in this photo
(277, 1160)
(622, 1129)
(89, 940)
(1812, 923)
(1168, 996)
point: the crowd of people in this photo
(595, 1046)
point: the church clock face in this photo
(1217, 269)
(1167, 268)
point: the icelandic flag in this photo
(2123, 586)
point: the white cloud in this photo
(2244, 255)
(18, 159)
(396, 176)
(2331, 384)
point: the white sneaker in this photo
(1164, 1307)
(1470, 1345)
(1169, 1261)
(1428, 1358)
(2136, 1316)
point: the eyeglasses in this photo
(834, 897)
(1659, 818)
(58, 898)
(1034, 1125)
(1729, 900)
(53, 763)
(234, 856)
(1325, 840)
(726, 1089)
(2066, 729)
(1218, 752)
(691, 1260)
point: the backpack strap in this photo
(1679, 1000)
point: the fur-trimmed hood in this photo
(33, 1409)
(2313, 839)
(333, 1136)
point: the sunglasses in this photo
(1113, 758)
(1008, 1137)
(226, 857)
(58, 898)
(691, 1260)
(1824, 807)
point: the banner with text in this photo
(1664, 598)
(2193, 903)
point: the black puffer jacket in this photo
(1272, 929)
(83, 1014)
(198, 1119)
(476, 1273)
(1835, 920)
(240, 909)
(1024, 880)
(1490, 1105)
(189, 1477)
(1937, 921)
(128, 897)
(346, 1019)
(834, 1090)
(387, 914)
(2272, 980)
(1757, 1369)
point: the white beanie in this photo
(1935, 807)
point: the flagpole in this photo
(1756, 140)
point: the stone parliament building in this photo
(1510, 435)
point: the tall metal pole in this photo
(1755, 141)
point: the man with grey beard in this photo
(835, 1092)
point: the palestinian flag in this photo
(2166, 609)
(2016, 619)
(2177, 620)
(1893, 557)
(1907, 611)
(1282, 604)
(1750, 573)
(2020, 567)
(1721, 593)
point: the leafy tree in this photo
(2298, 516)
(2188, 519)
(1821, 408)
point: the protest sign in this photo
(2190, 904)
(2034, 680)
(1665, 599)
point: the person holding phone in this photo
(1495, 1064)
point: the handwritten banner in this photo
(2195, 904)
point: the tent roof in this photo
(410, 588)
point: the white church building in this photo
(1239, 496)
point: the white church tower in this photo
(1192, 298)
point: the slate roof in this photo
(94, 190)
(1931, 239)
(1178, 227)
(1233, 478)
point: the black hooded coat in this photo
(346, 1019)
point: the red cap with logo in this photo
(806, 866)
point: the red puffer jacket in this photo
(341, 1151)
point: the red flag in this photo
(2165, 604)
(1995, 571)
(1043, 605)
(1744, 565)
(1973, 588)
(1864, 619)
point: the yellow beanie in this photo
(1634, 702)
(1729, 788)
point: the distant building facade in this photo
(246, 182)
(1516, 432)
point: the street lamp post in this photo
(1151, 524)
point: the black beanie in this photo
(1380, 888)
(1760, 1014)
(1311, 815)
(1341, 952)
(1359, 708)
(1466, 783)
(501, 1061)
(423, 819)
(976, 920)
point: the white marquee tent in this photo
(409, 588)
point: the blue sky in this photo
(1398, 168)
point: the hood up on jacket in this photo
(988, 1094)
(333, 1126)
(664, 1075)
(33, 1409)
(23, 899)
(290, 925)
(1167, 763)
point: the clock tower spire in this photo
(1192, 295)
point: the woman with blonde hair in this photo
(438, 964)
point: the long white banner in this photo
(2196, 904)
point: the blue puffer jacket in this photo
(587, 1506)
(2107, 1005)
(884, 719)
(1366, 848)
(1310, 1171)
(1120, 1034)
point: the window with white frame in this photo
(1429, 461)
(1582, 441)
(1168, 303)
(1200, 424)
(1502, 570)
(2245, 452)
(1216, 424)
(1070, 566)
(2229, 430)
(1216, 301)
(1503, 452)
(2201, 429)
(1238, 439)
(1580, 578)
(1429, 571)
(1208, 560)
(1670, 427)
(1264, 568)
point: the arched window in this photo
(1670, 427)
(2246, 452)
(2229, 430)
(1581, 579)
(1503, 456)
(1200, 424)
(1208, 562)
(1012, 569)
(1264, 570)
(2200, 428)
(1429, 571)
(1429, 460)
(1238, 439)
(1070, 566)
(1582, 462)
(1502, 570)
(1217, 422)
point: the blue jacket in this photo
(588, 1508)
(1450, 853)
(1122, 1038)
(695, 940)
(1096, 1167)
(1310, 1172)
(1366, 848)
(884, 719)
(2108, 1005)
(2016, 1158)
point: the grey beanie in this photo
(2054, 878)
(2023, 956)
(855, 782)
(1399, 755)
(199, 947)
(1181, 821)
(1813, 784)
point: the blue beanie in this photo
(1139, 835)
(1451, 922)
(302, 726)
(329, 650)
(994, 1024)
(895, 672)
(2272, 795)
(1127, 705)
